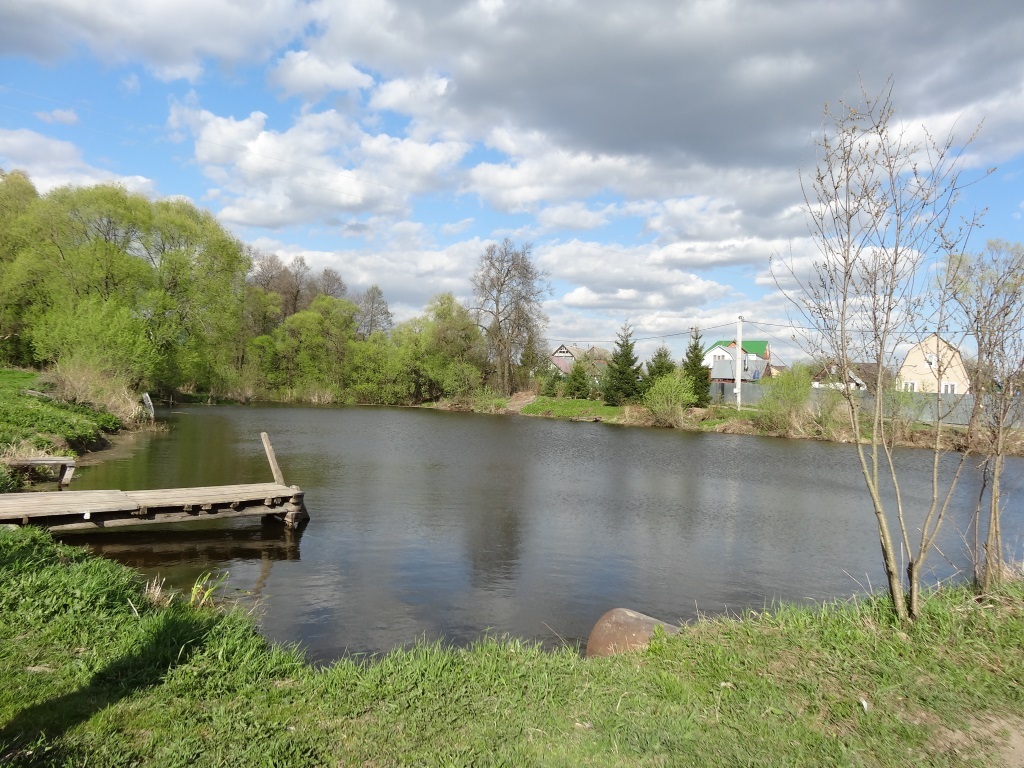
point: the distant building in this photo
(934, 365)
(726, 350)
(754, 369)
(858, 376)
(595, 358)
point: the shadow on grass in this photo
(33, 736)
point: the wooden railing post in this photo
(278, 477)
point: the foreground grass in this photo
(95, 674)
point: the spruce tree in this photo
(577, 383)
(660, 364)
(696, 372)
(622, 379)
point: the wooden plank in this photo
(18, 505)
(87, 510)
(43, 461)
(164, 518)
(217, 494)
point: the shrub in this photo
(784, 407)
(668, 398)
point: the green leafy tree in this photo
(577, 383)
(695, 370)
(455, 353)
(622, 379)
(380, 376)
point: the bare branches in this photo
(509, 292)
(881, 211)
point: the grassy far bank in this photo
(95, 673)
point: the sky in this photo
(650, 151)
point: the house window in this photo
(949, 389)
(910, 386)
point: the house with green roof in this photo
(753, 349)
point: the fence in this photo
(917, 406)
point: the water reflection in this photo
(191, 553)
(443, 526)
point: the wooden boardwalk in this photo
(94, 510)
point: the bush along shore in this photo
(99, 669)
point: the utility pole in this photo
(739, 363)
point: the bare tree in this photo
(267, 269)
(374, 314)
(990, 295)
(880, 206)
(509, 291)
(294, 286)
(329, 283)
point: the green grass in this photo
(47, 424)
(95, 674)
(566, 408)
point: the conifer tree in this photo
(622, 379)
(695, 370)
(577, 383)
(660, 364)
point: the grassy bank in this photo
(44, 424)
(95, 673)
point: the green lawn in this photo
(566, 408)
(96, 674)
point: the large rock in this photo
(622, 630)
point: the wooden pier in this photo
(95, 510)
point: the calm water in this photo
(445, 525)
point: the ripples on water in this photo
(431, 525)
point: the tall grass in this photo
(31, 425)
(78, 381)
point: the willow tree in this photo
(509, 291)
(881, 209)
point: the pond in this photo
(427, 525)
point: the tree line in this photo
(156, 295)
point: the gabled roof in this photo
(593, 367)
(594, 353)
(750, 346)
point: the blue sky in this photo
(649, 151)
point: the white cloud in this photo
(173, 38)
(51, 163)
(456, 227)
(62, 116)
(309, 75)
(321, 167)
(130, 83)
(575, 215)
